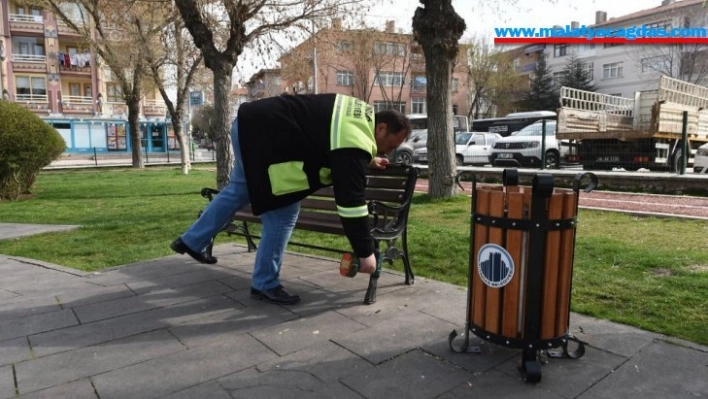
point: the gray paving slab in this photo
(398, 335)
(660, 370)
(119, 327)
(569, 377)
(495, 384)
(14, 350)
(300, 333)
(489, 355)
(238, 320)
(23, 306)
(326, 361)
(35, 324)
(17, 230)
(7, 382)
(48, 371)
(413, 375)
(211, 390)
(81, 389)
(612, 337)
(93, 294)
(149, 300)
(172, 373)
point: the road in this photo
(640, 203)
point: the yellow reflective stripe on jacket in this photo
(352, 125)
(354, 212)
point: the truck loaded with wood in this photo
(648, 131)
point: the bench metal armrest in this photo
(389, 221)
(209, 193)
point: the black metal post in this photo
(543, 144)
(95, 157)
(684, 144)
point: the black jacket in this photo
(294, 145)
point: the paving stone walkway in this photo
(173, 328)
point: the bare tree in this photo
(110, 27)
(688, 62)
(174, 52)
(491, 76)
(438, 28)
(258, 23)
(392, 54)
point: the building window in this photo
(74, 89)
(30, 88)
(560, 50)
(387, 48)
(419, 83)
(665, 24)
(87, 90)
(656, 63)
(384, 105)
(418, 106)
(589, 69)
(28, 49)
(114, 94)
(612, 70)
(394, 79)
(345, 46)
(455, 85)
(557, 79)
(345, 78)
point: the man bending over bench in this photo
(286, 148)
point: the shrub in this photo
(27, 144)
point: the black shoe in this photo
(180, 247)
(275, 295)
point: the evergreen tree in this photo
(542, 96)
(576, 76)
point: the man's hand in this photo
(367, 265)
(378, 163)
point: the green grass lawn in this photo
(647, 272)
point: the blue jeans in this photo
(277, 225)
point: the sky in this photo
(482, 16)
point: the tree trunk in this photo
(135, 143)
(441, 140)
(183, 144)
(222, 123)
(438, 28)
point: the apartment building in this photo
(624, 69)
(49, 69)
(383, 67)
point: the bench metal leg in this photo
(410, 278)
(249, 240)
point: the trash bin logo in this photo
(495, 266)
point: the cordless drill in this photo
(349, 265)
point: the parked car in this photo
(700, 161)
(524, 147)
(417, 139)
(471, 148)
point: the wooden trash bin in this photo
(522, 242)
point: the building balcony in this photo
(29, 63)
(76, 105)
(64, 29)
(526, 68)
(23, 23)
(154, 108)
(38, 103)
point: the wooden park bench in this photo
(388, 192)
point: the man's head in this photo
(391, 129)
